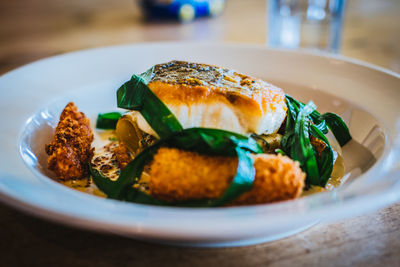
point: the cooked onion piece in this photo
(128, 132)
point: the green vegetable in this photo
(280, 151)
(136, 95)
(103, 183)
(302, 122)
(338, 127)
(325, 160)
(315, 116)
(334, 122)
(303, 151)
(107, 120)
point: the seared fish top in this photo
(202, 95)
(181, 72)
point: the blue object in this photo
(183, 10)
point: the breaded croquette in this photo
(70, 150)
(277, 178)
(178, 175)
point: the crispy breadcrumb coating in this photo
(70, 150)
(277, 178)
(122, 155)
(177, 175)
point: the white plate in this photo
(33, 96)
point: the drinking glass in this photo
(312, 24)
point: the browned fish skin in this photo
(70, 150)
(196, 74)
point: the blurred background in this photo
(32, 30)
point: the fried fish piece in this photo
(70, 150)
(202, 95)
(178, 175)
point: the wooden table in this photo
(31, 30)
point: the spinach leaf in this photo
(337, 126)
(325, 160)
(136, 95)
(107, 120)
(301, 122)
(302, 150)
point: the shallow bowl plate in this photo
(33, 96)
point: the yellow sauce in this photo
(333, 182)
(84, 185)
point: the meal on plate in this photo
(198, 135)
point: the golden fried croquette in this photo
(277, 178)
(70, 150)
(177, 175)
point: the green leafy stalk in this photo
(333, 121)
(136, 95)
(296, 142)
(130, 95)
(301, 122)
(288, 138)
(103, 183)
(243, 180)
(338, 127)
(280, 151)
(325, 160)
(325, 165)
(107, 120)
(132, 172)
(303, 150)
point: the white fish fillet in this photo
(202, 95)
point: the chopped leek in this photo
(107, 120)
